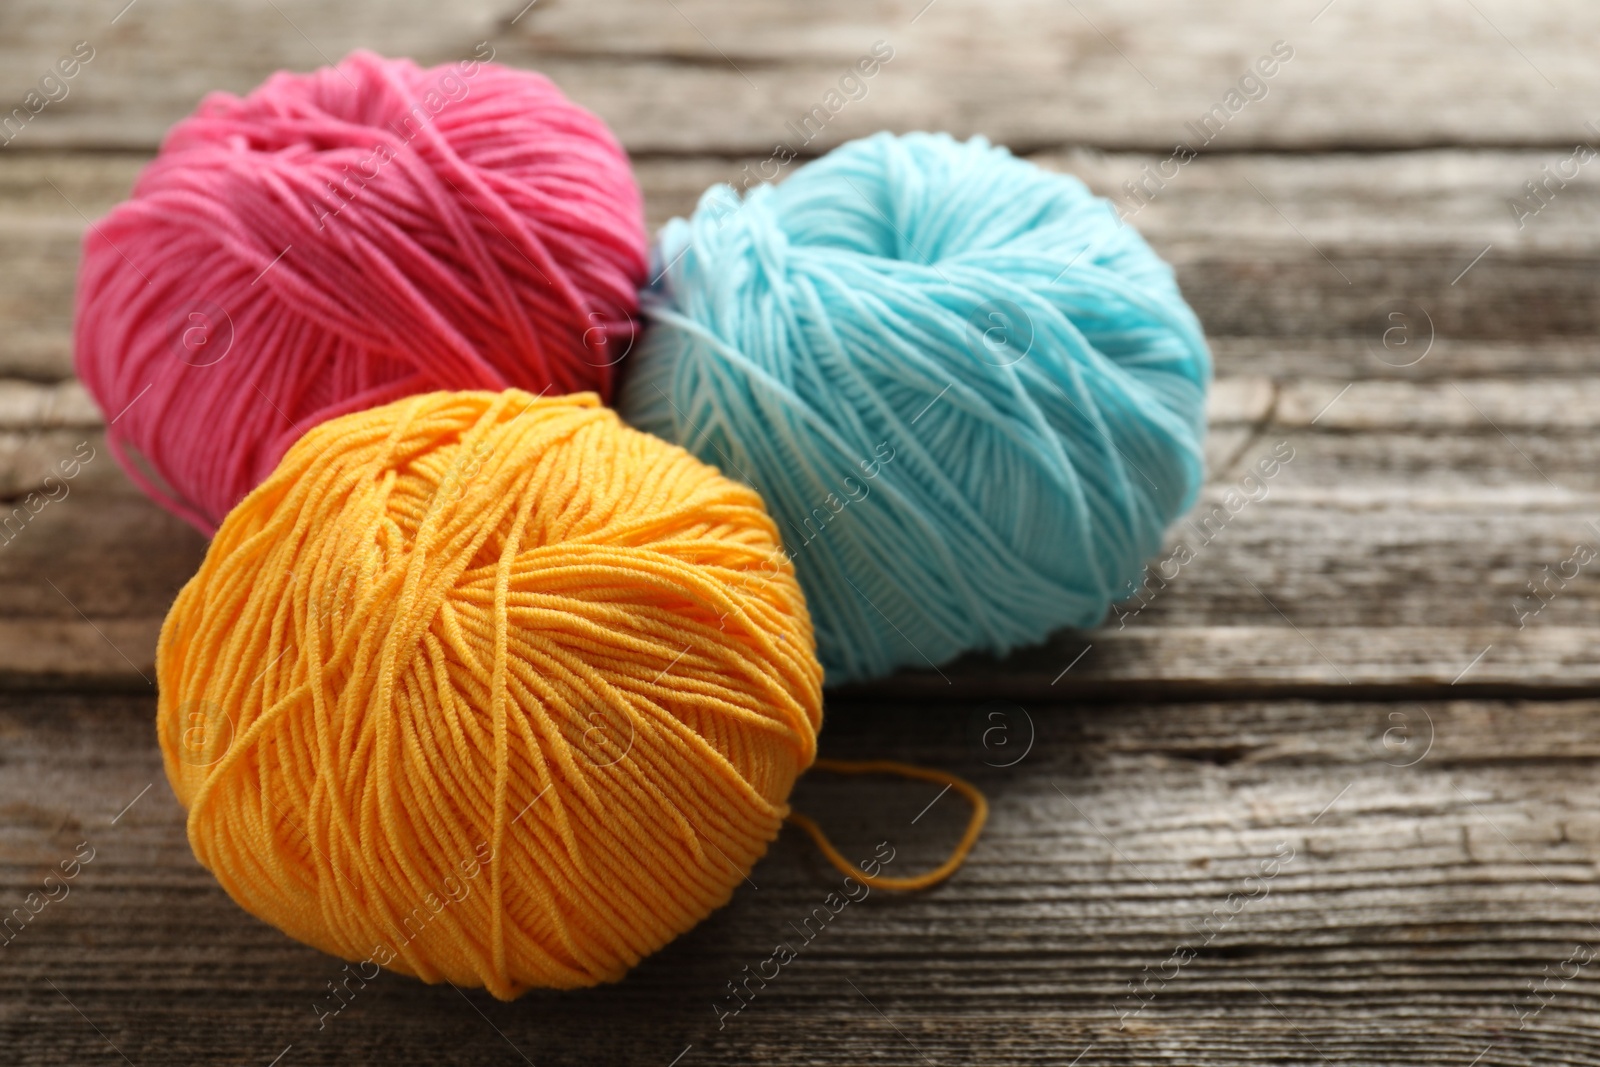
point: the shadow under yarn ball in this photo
(971, 396)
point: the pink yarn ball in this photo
(339, 239)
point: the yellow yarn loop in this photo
(489, 689)
(958, 856)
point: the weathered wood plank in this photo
(707, 76)
(1276, 655)
(1354, 359)
(1434, 859)
(1295, 251)
(1388, 552)
(28, 406)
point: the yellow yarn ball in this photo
(489, 689)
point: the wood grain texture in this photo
(1366, 665)
(1436, 858)
(710, 76)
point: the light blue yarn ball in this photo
(972, 398)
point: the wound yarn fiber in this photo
(335, 240)
(489, 689)
(970, 395)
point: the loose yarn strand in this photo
(958, 855)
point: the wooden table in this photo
(1348, 686)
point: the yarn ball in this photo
(339, 239)
(971, 396)
(489, 689)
